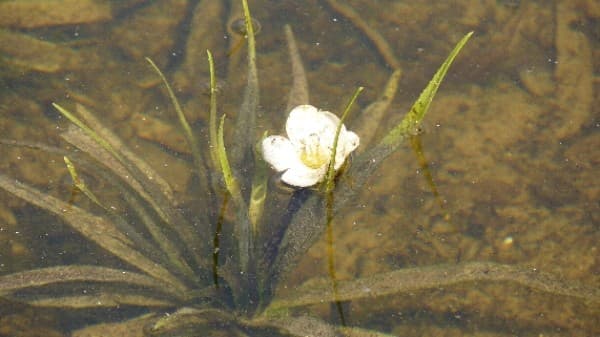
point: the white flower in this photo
(304, 156)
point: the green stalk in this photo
(330, 176)
(212, 117)
(329, 185)
(189, 135)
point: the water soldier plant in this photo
(190, 275)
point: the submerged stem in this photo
(329, 187)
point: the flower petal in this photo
(303, 176)
(279, 152)
(306, 120)
(347, 143)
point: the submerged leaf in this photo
(299, 92)
(97, 300)
(244, 235)
(108, 149)
(115, 288)
(244, 132)
(188, 321)
(302, 326)
(95, 229)
(77, 137)
(412, 279)
(383, 47)
(59, 274)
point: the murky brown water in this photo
(511, 138)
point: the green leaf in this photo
(231, 182)
(80, 184)
(411, 121)
(258, 195)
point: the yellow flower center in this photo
(314, 154)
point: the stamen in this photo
(314, 154)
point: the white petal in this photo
(347, 143)
(279, 152)
(351, 141)
(303, 176)
(306, 120)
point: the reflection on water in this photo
(510, 138)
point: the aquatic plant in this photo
(177, 266)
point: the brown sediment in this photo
(42, 13)
(27, 52)
(574, 73)
(206, 32)
(376, 38)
